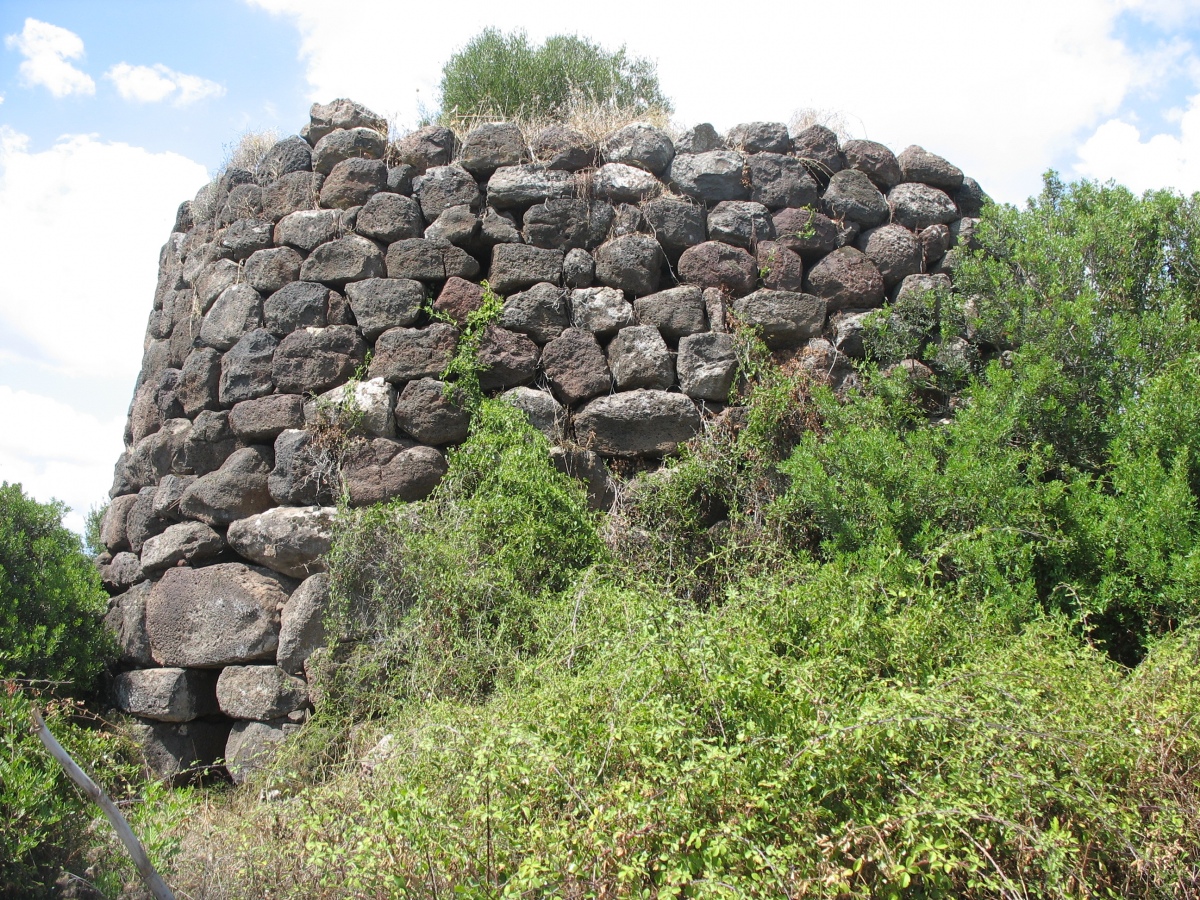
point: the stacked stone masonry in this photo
(325, 292)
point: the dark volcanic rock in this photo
(637, 423)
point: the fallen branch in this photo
(145, 868)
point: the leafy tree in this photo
(504, 75)
(51, 600)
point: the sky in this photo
(113, 113)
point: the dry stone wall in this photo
(325, 292)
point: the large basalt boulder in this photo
(918, 164)
(875, 161)
(621, 183)
(390, 217)
(301, 304)
(292, 540)
(706, 366)
(846, 279)
(760, 137)
(445, 186)
(209, 443)
(238, 310)
(379, 470)
(351, 258)
(784, 318)
(817, 147)
(316, 359)
(262, 420)
(638, 358)
(601, 310)
(490, 146)
(347, 143)
(362, 407)
(305, 230)
(304, 473)
(563, 147)
(458, 225)
(710, 177)
(458, 299)
(353, 182)
(427, 147)
(220, 615)
(576, 366)
(269, 270)
(631, 262)
(917, 206)
(637, 423)
(292, 154)
(113, 535)
(717, 265)
(428, 260)
(246, 370)
(259, 693)
(302, 623)
(778, 181)
(567, 223)
(383, 303)
(544, 412)
(406, 354)
(675, 312)
(432, 413)
(200, 381)
(676, 224)
(852, 196)
(166, 695)
(640, 145)
(293, 192)
(506, 359)
(778, 267)
(742, 223)
(246, 237)
(236, 490)
(516, 267)
(325, 118)
(124, 571)
(251, 744)
(519, 187)
(126, 622)
(184, 542)
(542, 312)
(895, 251)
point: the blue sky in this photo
(113, 113)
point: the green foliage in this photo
(446, 589)
(503, 75)
(46, 819)
(91, 532)
(462, 372)
(837, 647)
(51, 601)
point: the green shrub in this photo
(444, 591)
(503, 75)
(51, 600)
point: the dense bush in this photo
(503, 75)
(51, 600)
(52, 647)
(928, 640)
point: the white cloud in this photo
(80, 224)
(46, 49)
(1116, 150)
(153, 84)
(1001, 89)
(57, 452)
